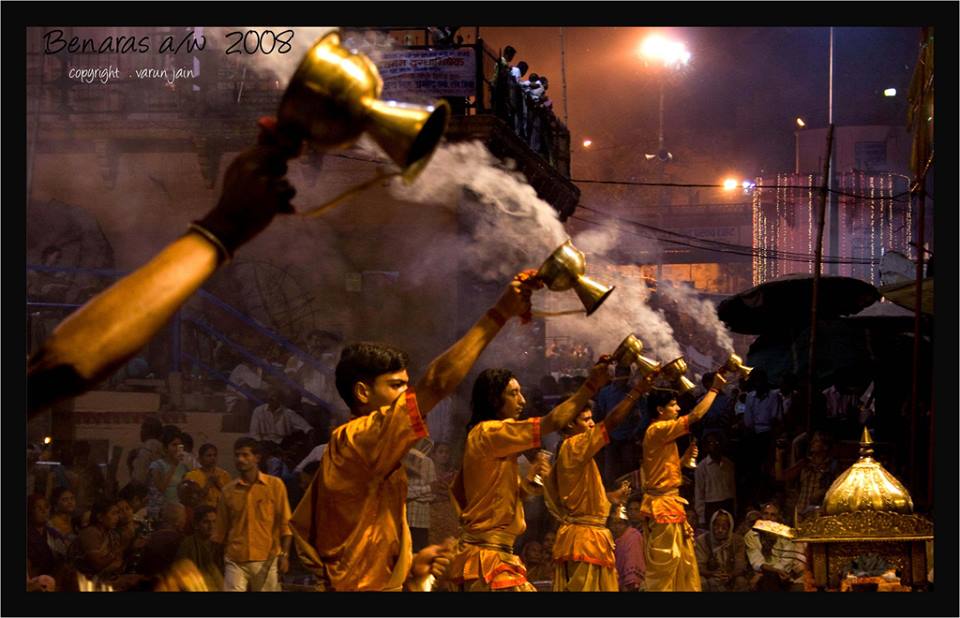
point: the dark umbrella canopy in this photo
(785, 303)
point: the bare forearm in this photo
(448, 370)
(622, 409)
(700, 410)
(560, 416)
(89, 345)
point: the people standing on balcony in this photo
(499, 95)
(518, 104)
(351, 527)
(534, 113)
(273, 420)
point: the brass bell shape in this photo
(564, 270)
(735, 364)
(333, 98)
(675, 372)
(628, 350)
(691, 461)
(621, 511)
(647, 366)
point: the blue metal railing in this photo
(177, 352)
(222, 377)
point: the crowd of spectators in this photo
(756, 461)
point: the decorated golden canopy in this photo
(866, 486)
(867, 515)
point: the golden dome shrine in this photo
(866, 513)
(866, 486)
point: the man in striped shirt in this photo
(779, 561)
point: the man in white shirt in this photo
(715, 486)
(273, 421)
(312, 456)
(317, 379)
(421, 473)
(251, 380)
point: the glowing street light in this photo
(731, 184)
(657, 49)
(673, 54)
(890, 92)
(587, 143)
(800, 122)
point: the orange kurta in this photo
(661, 471)
(486, 493)
(583, 552)
(668, 538)
(581, 501)
(351, 526)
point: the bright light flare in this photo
(47, 439)
(800, 122)
(890, 92)
(670, 53)
(587, 143)
(730, 184)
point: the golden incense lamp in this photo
(735, 364)
(675, 371)
(334, 97)
(629, 353)
(691, 460)
(565, 270)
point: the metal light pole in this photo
(660, 133)
(833, 206)
(563, 77)
(671, 55)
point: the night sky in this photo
(744, 86)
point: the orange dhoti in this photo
(589, 564)
(574, 494)
(668, 540)
(670, 557)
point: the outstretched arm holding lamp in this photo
(93, 342)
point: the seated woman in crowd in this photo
(99, 550)
(722, 556)
(166, 472)
(42, 556)
(64, 504)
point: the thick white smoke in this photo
(505, 227)
(703, 311)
